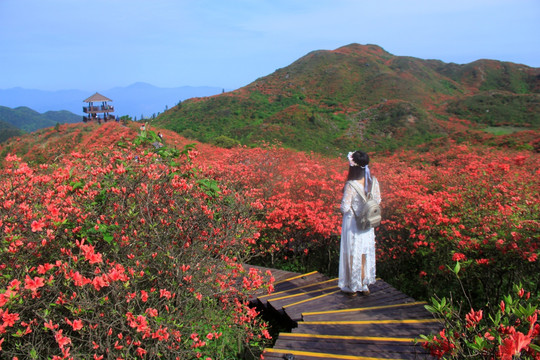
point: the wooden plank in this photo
(341, 301)
(290, 298)
(337, 342)
(285, 280)
(309, 355)
(364, 322)
(298, 289)
(324, 294)
(392, 330)
(396, 311)
(362, 308)
(348, 345)
(298, 276)
(313, 295)
(291, 285)
(302, 290)
(346, 337)
(296, 316)
(351, 347)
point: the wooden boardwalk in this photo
(327, 324)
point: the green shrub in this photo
(225, 142)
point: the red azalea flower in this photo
(34, 284)
(37, 225)
(473, 318)
(458, 257)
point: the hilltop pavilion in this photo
(98, 112)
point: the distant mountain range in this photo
(329, 101)
(136, 100)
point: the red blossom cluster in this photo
(295, 196)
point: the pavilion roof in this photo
(97, 97)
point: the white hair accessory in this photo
(351, 161)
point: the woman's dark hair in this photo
(358, 172)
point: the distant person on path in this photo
(357, 250)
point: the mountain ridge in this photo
(330, 100)
(28, 120)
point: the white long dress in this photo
(357, 251)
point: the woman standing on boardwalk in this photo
(357, 251)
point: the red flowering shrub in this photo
(507, 330)
(295, 198)
(121, 254)
(475, 205)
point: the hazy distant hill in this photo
(134, 100)
(145, 99)
(330, 101)
(30, 120)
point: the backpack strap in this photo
(358, 190)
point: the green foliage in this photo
(8, 131)
(503, 76)
(397, 125)
(497, 109)
(189, 134)
(503, 130)
(225, 142)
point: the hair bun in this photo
(361, 158)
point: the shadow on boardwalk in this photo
(327, 324)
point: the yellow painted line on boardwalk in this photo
(323, 355)
(345, 337)
(311, 299)
(298, 288)
(296, 277)
(363, 309)
(362, 322)
(302, 293)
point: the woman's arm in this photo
(348, 193)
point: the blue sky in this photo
(95, 45)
